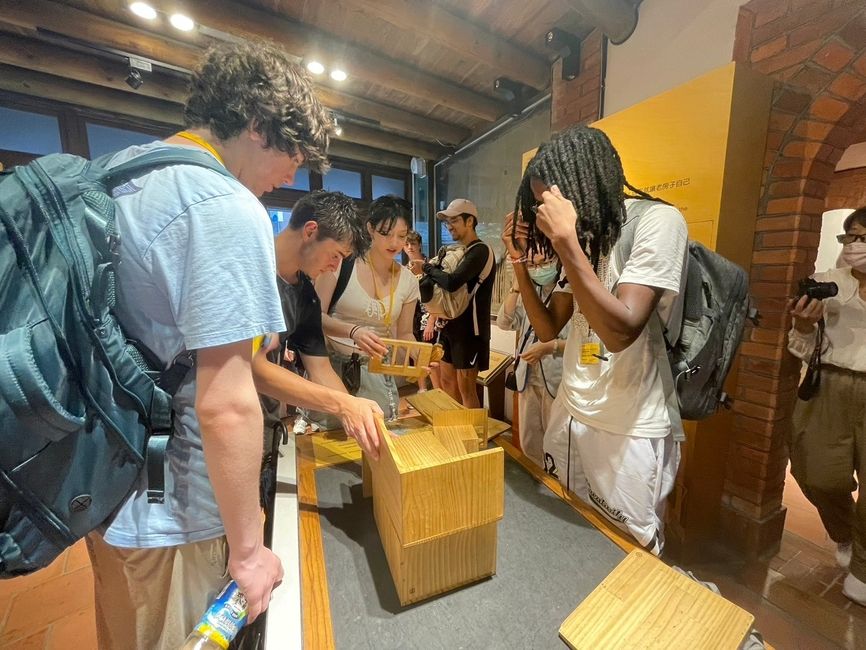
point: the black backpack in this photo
(82, 409)
(716, 305)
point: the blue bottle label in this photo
(225, 618)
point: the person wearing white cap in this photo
(466, 337)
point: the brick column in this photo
(816, 49)
(578, 101)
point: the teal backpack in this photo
(82, 408)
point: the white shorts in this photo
(626, 478)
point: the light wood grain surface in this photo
(644, 603)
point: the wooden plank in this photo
(433, 401)
(643, 603)
(451, 496)
(315, 601)
(446, 563)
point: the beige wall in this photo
(675, 41)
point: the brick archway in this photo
(816, 50)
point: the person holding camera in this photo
(538, 364)
(828, 438)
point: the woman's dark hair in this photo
(337, 216)
(254, 85)
(585, 166)
(386, 210)
(858, 216)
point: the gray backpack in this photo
(716, 305)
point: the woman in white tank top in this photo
(378, 302)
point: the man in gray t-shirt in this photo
(197, 272)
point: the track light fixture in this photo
(513, 92)
(134, 77)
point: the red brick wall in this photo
(578, 101)
(816, 50)
(847, 189)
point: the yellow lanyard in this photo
(393, 289)
(200, 141)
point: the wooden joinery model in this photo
(437, 505)
(406, 358)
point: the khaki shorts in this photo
(151, 598)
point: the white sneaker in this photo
(854, 589)
(843, 554)
(300, 426)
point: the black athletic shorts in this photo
(463, 349)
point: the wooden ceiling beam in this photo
(83, 26)
(76, 93)
(69, 91)
(28, 16)
(391, 118)
(389, 142)
(360, 153)
(48, 59)
(302, 40)
(432, 21)
(69, 64)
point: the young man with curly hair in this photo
(197, 273)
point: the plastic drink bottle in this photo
(221, 622)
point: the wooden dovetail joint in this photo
(407, 358)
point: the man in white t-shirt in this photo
(609, 438)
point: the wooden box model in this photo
(436, 507)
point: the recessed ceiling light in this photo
(143, 10)
(338, 75)
(182, 22)
(315, 67)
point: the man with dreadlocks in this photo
(609, 437)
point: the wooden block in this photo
(453, 439)
(433, 401)
(436, 508)
(464, 433)
(643, 603)
(406, 358)
(462, 416)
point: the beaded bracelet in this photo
(517, 260)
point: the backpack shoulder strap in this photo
(655, 327)
(161, 158)
(342, 281)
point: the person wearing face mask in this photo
(538, 366)
(828, 439)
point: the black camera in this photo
(816, 290)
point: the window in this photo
(383, 185)
(29, 132)
(302, 181)
(107, 139)
(343, 180)
(279, 219)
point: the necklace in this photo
(382, 313)
(200, 141)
